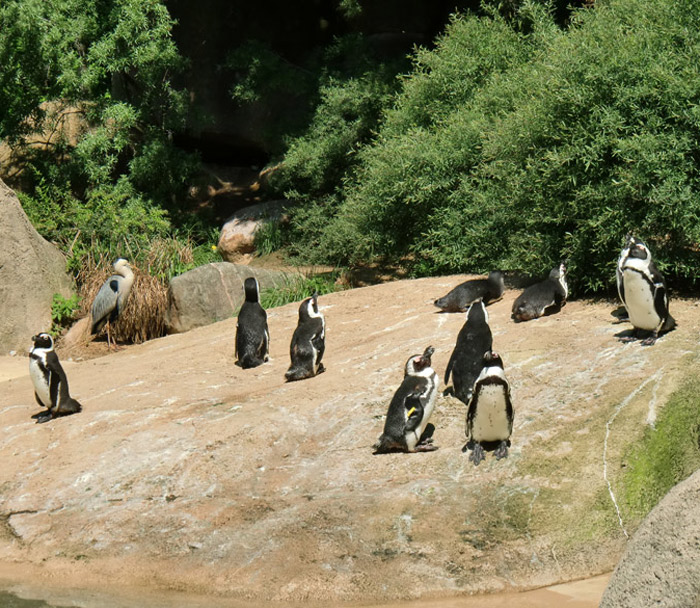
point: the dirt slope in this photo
(187, 472)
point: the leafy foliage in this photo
(514, 144)
(63, 312)
(296, 289)
(112, 64)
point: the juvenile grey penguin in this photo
(466, 361)
(488, 290)
(112, 297)
(542, 298)
(252, 334)
(411, 407)
(643, 292)
(490, 411)
(308, 342)
(49, 379)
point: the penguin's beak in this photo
(427, 354)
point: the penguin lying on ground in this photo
(490, 412)
(49, 379)
(542, 298)
(643, 292)
(411, 408)
(467, 358)
(252, 335)
(308, 342)
(464, 295)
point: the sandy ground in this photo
(187, 473)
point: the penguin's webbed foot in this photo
(43, 417)
(320, 369)
(477, 454)
(501, 451)
(425, 447)
(651, 340)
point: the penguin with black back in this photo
(542, 298)
(49, 379)
(410, 408)
(490, 412)
(252, 334)
(466, 361)
(643, 291)
(308, 342)
(488, 290)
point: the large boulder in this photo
(212, 293)
(238, 234)
(32, 270)
(661, 565)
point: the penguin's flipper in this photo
(414, 412)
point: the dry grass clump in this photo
(144, 316)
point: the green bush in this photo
(516, 144)
(298, 288)
(63, 312)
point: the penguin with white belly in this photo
(410, 408)
(308, 342)
(49, 379)
(643, 291)
(466, 361)
(490, 412)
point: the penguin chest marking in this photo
(639, 301)
(490, 421)
(41, 379)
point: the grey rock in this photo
(212, 293)
(238, 233)
(661, 565)
(31, 271)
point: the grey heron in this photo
(111, 300)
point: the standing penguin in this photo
(466, 361)
(488, 290)
(643, 292)
(252, 335)
(308, 342)
(49, 379)
(490, 411)
(411, 408)
(542, 298)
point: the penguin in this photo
(542, 298)
(49, 379)
(490, 411)
(308, 342)
(410, 408)
(467, 357)
(252, 334)
(489, 290)
(643, 291)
